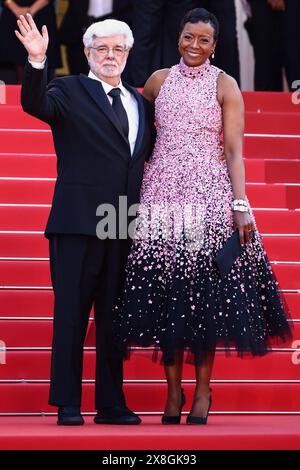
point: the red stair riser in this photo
(254, 147)
(270, 102)
(271, 147)
(257, 170)
(265, 101)
(31, 333)
(151, 397)
(41, 192)
(16, 245)
(13, 117)
(39, 303)
(35, 365)
(272, 123)
(282, 171)
(26, 142)
(35, 218)
(37, 273)
(30, 166)
(23, 245)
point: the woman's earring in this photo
(213, 55)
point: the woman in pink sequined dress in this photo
(191, 202)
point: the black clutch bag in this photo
(225, 258)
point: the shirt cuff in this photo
(38, 65)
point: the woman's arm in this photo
(231, 100)
(16, 9)
(153, 84)
(37, 6)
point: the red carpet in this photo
(222, 432)
(267, 387)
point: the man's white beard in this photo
(108, 69)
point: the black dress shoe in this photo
(116, 415)
(69, 416)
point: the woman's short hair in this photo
(200, 14)
(108, 28)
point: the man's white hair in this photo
(108, 28)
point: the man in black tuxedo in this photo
(77, 18)
(103, 133)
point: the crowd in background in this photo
(272, 26)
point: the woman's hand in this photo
(34, 42)
(243, 221)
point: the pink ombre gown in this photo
(174, 297)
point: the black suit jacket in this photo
(94, 163)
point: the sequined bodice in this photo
(187, 111)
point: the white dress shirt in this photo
(99, 8)
(131, 107)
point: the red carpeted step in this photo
(31, 333)
(223, 433)
(255, 170)
(282, 248)
(37, 273)
(264, 101)
(35, 218)
(267, 195)
(278, 171)
(41, 141)
(23, 245)
(35, 365)
(23, 218)
(272, 122)
(26, 191)
(270, 102)
(31, 245)
(16, 191)
(28, 333)
(271, 147)
(39, 303)
(13, 117)
(44, 166)
(27, 303)
(12, 95)
(278, 221)
(27, 165)
(29, 397)
(36, 142)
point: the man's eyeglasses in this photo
(117, 51)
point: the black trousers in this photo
(155, 25)
(267, 28)
(291, 39)
(85, 271)
(227, 54)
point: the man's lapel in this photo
(95, 90)
(141, 110)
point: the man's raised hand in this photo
(34, 42)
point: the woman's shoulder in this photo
(227, 87)
(154, 83)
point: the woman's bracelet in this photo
(240, 205)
